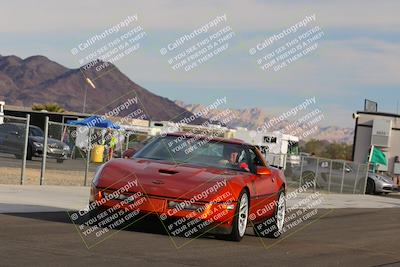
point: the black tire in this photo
(29, 153)
(269, 227)
(235, 234)
(370, 187)
(60, 160)
(307, 176)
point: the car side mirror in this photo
(262, 170)
(128, 153)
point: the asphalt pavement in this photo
(342, 237)
(347, 230)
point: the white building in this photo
(381, 130)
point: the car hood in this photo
(380, 178)
(165, 179)
(50, 141)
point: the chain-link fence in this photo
(74, 152)
(67, 154)
(314, 173)
(14, 148)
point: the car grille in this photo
(55, 145)
(387, 188)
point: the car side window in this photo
(254, 160)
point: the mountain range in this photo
(252, 118)
(37, 79)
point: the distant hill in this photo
(252, 118)
(37, 79)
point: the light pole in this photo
(84, 98)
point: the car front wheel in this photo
(273, 227)
(240, 218)
(370, 187)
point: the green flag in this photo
(377, 156)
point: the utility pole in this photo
(86, 89)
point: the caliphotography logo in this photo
(199, 133)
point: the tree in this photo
(51, 107)
(327, 149)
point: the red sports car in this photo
(195, 184)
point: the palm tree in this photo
(51, 107)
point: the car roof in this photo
(215, 139)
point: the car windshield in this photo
(33, 131)
(195, 150)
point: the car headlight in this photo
(184, 205)
(38, 145)
(380, 178)
(66, 148)
(386, 179)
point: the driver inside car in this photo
(234, 157)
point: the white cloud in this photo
(175, 15)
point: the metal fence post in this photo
(355, 180)
(127, 140)
(28, 121)
(44, 156)
(366, 179)
(315, 177)
(344, 169)
(301, 170)
(88, 156)
(330, 177)
(285, 161)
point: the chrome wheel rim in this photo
(280, 215)
(243, 214)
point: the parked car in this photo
(326, 174)
(12, 142)
(378, 183)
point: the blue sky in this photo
(357, 58)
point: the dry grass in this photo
(10, 175)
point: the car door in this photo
(4, 128)
(265, 187)
(13, 139)
(7, 138)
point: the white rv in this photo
(2, 103)
(278, 148)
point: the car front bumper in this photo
(52, 153)
(217, 218)
(384, 187)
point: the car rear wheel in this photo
(307, 176)
(273, 227)
(29, 153)
(240, 219)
